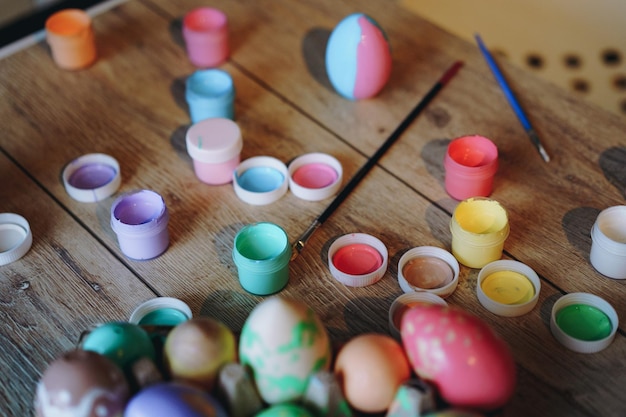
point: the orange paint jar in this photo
(71, 39)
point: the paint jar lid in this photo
(404, 302)
(214, 140)
(583, 322)
(508, 288)
(163, 311)
(357, 259)
(315, 176)
(92, 177)
(15, 237)
(429, 269)
(260, 180)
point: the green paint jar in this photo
(261, 252)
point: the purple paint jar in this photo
(139, 219)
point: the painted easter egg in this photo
(196, 349)
(285, 410)
(371, 367)
(124, 343)
(358, 57)
(468, 363)
(283, 342)
(81, 383)
(172, 399)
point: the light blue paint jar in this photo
(261, 252)
(210, 93)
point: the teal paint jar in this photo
(261, 252)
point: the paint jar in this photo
(161, 311)
(260, 180)
(357, 259)
(139, 219)
(583, 322)
(92, 177)
(205, 30)
(406, 301)
(479, 228)
(15, 237)
(261, 252)
(210, 93)
(215, 147)
(470, 165)
(71, 39)
(508, 288)
(429, 269)
(315, 176)
(608, 243)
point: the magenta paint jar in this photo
(315, 176)
(215, 146)
(139, 219)
(470, 164)
(205, 30)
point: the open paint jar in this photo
(471, 163)
(508, 288)
(140, 219)
(479, 228)
(15, 237)
(260, 180)
(92, 177)
(583, 322)
(357, 259)
(315, 176)
(429, 269)
(406, 301)
(161, 311)
(608, 243)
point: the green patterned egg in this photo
(283, 342)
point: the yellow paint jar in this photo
(479, 228)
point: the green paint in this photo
(584, 322)
(164, 317)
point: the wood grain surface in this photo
(131, 105)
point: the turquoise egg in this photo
(285, 410)
(123, 343)
(358, 57)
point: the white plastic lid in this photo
(15, 237)
(156, 304)
(92, 177)
(405, 302)
(510, 290)
(592, 302)
(430, 253)
(315, 176)
(357, 259)
(214, 140)
(260, 180)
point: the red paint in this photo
(357, 259)
(316, 175)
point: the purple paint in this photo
(315, 175)
(92, 176)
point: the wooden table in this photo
(130, 105)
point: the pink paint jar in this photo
(315, 176)
(470, 165)
(215, 146)
(357, 259)
(140, 219)
(205, 31)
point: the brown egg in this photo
(196, 349)
(370, 369)
(82, 383)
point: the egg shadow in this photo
(314, 54)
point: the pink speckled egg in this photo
(468, 363)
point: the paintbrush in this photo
(508, 93)
(356, 179)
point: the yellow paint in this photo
(508, 287)
(481, 216)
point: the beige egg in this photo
(196, 349)
(370, 369)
